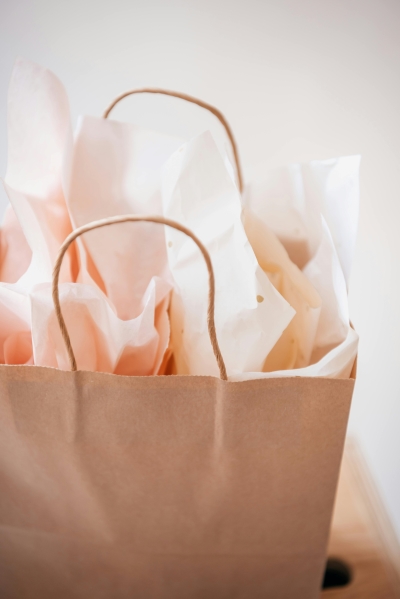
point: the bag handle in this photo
(136, 218)
(202, 104)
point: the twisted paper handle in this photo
(205, 105)
(134, 218)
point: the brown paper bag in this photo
(163, 487)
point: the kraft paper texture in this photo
(166, 487)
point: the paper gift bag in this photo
(167, 487)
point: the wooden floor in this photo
(362, 537)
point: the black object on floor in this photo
(337, 574)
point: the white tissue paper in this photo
(42, 166)
(250, 315)
(38, 132)
(313, 209)
(281, 254)
(292, 264)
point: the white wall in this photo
(296, 79)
